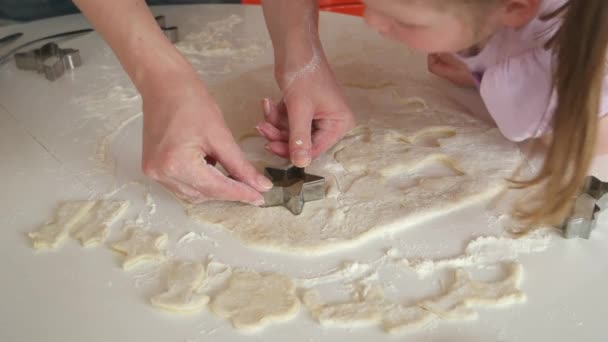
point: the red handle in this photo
(340, 6)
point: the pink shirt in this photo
(514, 71)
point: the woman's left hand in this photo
(312, 116)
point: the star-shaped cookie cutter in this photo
(49, 59)
(292, 188)
(584, 215)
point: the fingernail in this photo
(301, 158)
(267, 147)
(259, 202)
(265, 182)
(266, 104)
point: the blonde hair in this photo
(580, 47)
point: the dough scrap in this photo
(95, 225)
(142, 246)
(369, 309)
(253, 300)
(383, 170)
(183, 281)
(68, 215)
(457, 303)
(488, 250)
(465, 294)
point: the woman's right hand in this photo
(184, 135)
(184, 132)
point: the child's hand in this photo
(449, 67)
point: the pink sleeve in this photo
(519, 95)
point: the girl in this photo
(539, 66)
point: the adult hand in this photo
(184, 135)
(449, 67)
(311, 117)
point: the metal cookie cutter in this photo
(170, 32)
(50, 59)
(292, 188)
(584, 219)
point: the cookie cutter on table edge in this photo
(584, 214)
(53, 61)
(292, 188)
(50, 59)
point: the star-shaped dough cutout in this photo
(142, 246)
(68, 215)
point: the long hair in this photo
(580, 46)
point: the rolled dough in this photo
(401, 166)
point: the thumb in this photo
(229, 155)
(300, 131)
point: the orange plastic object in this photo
(340, 6)
(351, 9)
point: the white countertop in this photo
(49, 135)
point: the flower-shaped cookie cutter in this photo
(584, 215)
(292, 188)
(50, 59)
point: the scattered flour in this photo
(488, 251)
(150, 204)
(195, 236)
(216, 42)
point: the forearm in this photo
(130, 29)
(293, 29)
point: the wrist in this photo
(301, 56)
(168, 79)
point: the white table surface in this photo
(47, 148)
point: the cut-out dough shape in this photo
(466, 293)
(456, 304)
(252, 300)
(432, 136)
(68, 215)
(369, 309)
(183, 282)
(141, 247)
(95, 225)
(410, 104)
